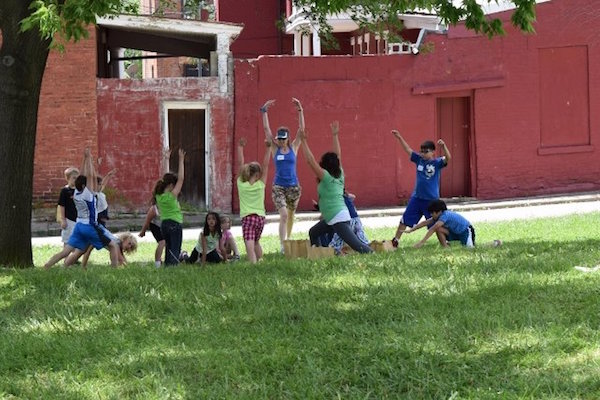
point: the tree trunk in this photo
(23, 58)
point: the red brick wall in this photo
(130, 136)
(370, 95)
(66, 116)
(260, 35)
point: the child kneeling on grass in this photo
(447, 225)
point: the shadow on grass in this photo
(513, 322)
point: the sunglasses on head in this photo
(281, 138)
(425, 151)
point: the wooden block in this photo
(295, 249)
(382, 247)
(315, 253)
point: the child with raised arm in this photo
(286, 188)
(101, 209)
(251, 192)
(447, 225)
(166, 192)
(329, 173)
(209, 247)
(427, 186)
(87, 231)
(152, 221)
(228, 241)
(67, 213)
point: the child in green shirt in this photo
(251, 192)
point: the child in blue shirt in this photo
(447, 225)
(427, 187)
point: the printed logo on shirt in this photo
(280, 157)
(429, 170)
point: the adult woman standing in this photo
(286, 189)
(329, 172)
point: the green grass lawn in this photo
(516, 321)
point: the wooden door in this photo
(454, 127)
(187, 131)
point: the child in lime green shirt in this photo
(251, 191)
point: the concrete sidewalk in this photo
(474, 210)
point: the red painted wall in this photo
(130, 136)
(66, 117)
(370, 95)
(260, 35)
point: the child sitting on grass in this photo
(228, 243)
(209, 243)
(447, 225)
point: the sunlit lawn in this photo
(516, 321)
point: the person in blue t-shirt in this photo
(427, 186)
(447, 225)
(286, 189)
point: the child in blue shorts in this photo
(427, 187)
(448, 225)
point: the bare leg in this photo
(114, 250)
(231, 247)
(74, 256)
(400, 230)
(290, 221)
(59, 256)
(86, 256)
(258, 250)
(442, 236)
(283, 221)
(250, 250)
(160, 248)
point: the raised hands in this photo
(242, 142)
(335, 128)
(441, 142)
(297, 104)
(301, 134)
(267, 105)
(181, 154)
(396, 134)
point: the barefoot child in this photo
(251, 191)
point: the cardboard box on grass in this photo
(295, 249)
(382, 247)
(315, 253)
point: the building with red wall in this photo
(516, 111)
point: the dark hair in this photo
(167, 179)
(436, 206)
(331, 163)
(80, 182)
(206, 230)
(428, 145)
